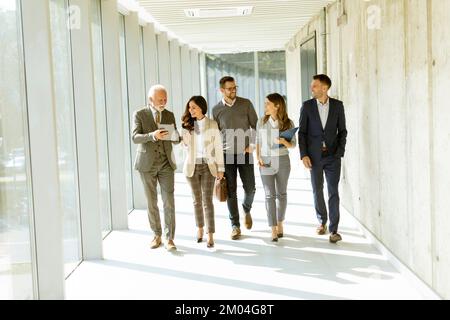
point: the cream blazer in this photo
(213, 146)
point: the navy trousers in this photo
(331, 166)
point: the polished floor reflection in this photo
(300, 266)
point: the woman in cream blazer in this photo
(204, 162)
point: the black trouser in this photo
(245, 165)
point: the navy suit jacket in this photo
(311, 134)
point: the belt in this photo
(325, 152)
(201, 161)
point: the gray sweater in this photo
(237, 124)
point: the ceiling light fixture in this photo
(219, 12)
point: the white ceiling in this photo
(270, 27)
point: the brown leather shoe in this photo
(170, 246)
(335, 238)
(235, 234)
(321, 230)
(156, 242)
(248, 221)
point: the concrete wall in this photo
(393, 81)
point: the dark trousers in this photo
(245, 165)
(332, 169)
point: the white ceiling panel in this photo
(270, 26)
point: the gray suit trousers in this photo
(275, 181)
(163, 173)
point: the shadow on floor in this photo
(287, 292)
(295, 256)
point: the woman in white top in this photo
(273, 159)
(204, 162)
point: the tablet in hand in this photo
(170, 129)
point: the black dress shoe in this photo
(274, 239)
(199, 240)
(280, 235)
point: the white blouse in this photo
(273, 123)
(200, 150)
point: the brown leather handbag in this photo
(221, 190)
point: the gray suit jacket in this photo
(144, 127)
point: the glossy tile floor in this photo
(302, 265)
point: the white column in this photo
(257, 104)
(175, 74)
(48, 219)
(136, 97)
(195, 72)
(151, 56)
(164, 63)
(113, 88)
(186, 73)
(203, 75)
(84, 96)
(177, 102)
(293, 82)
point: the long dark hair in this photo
(188, 122)
(283, 120)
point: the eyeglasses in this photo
(232, 88)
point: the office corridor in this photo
(302, 265)
(73, 73)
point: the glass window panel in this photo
(272, 64)
(65, 122)
(211, 83)
(101, 118)
(16, 280)
(241, 66)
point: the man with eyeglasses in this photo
(237, 121)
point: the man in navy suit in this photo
(322, 138)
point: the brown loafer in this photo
(321, 230)
(170, 246)
(235, 234)
(156, 242)
(335, 238)
(248, 221)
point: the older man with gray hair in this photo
(155, 161)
